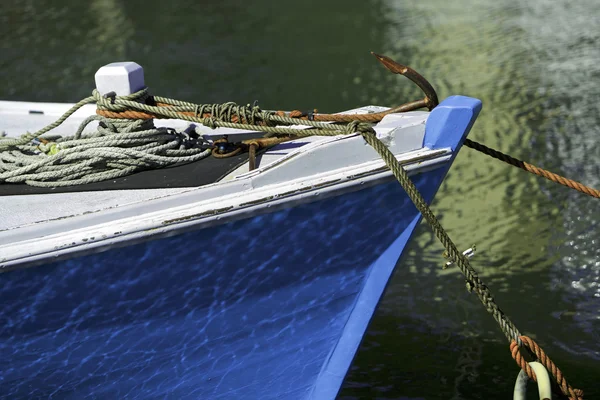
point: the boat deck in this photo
(23, 205)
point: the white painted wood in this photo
(35, 227)
(39, 208)
(122, 78)
(210, 205)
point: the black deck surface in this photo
(202, 172)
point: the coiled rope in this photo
(117, 148)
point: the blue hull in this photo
(271, 307)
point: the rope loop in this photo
(360, 127)
(534, 348)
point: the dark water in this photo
(535, 65)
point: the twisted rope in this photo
(117, 148)
(566, 389)
(6, 143)
(130, 143)
(249, 117)
(533, 169)
(227, 115)
(473, 282)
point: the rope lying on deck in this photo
(117, 148)
(254, 116)
(127, 141)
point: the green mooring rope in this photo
(117, 148)
(121, 147)
(473, 282)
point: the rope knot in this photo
(210, 122)
(113, 103)
(50, 148)
(534, 348)
(359, 127)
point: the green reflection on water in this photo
(534, 65)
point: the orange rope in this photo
(533, 169)
(567, 390)
(130, 114)
(125, 114)
(372, 117)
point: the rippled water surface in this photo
(535, 65)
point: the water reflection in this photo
(537, 242)
(112, 28)
(534, 65)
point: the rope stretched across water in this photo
(473, 282)
(580, 187)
